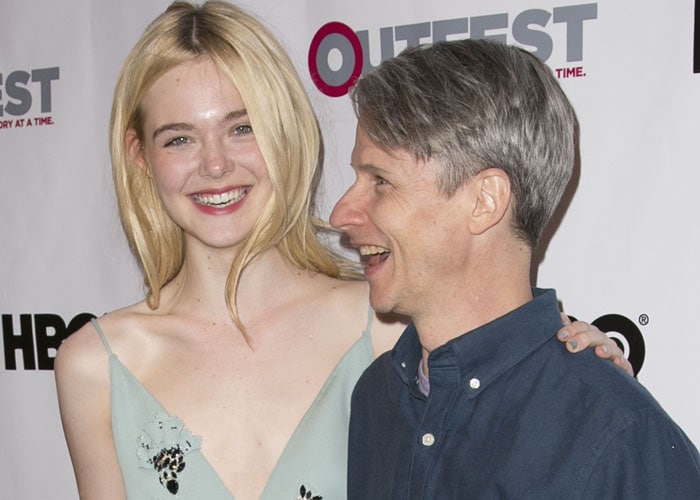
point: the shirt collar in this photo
(483, 354)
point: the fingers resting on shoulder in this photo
(580, 335)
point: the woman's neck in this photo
(200, 286)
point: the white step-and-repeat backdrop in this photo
(624, 254)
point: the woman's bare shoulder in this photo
(356, 290)
(386, 330)
(83, 351)
(347, 300)
(352, 301)
(81, 369)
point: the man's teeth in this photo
(372, 250)
(221, 199)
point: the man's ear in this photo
(492, 194)
(134, 148)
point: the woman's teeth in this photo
(221, 199)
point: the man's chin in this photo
(379, 303)
(383, 304)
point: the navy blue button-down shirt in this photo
(512, 415)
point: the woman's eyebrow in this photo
(185, 126)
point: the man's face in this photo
(411, 237)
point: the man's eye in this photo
(177, 141)
(379, 181)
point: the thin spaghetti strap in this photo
(102, 335)
(370, 317)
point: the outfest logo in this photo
(26, 97)
(338, 55)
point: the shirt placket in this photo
(429, 436)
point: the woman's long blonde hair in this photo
(285, 126)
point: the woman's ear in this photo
(492, 194)
(134, 148)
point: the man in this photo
(462, 153)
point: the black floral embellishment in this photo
(169, 463)
(305, 494)
(162, 446)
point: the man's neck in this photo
(438, 329)
(492, 288)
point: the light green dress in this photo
(160, 459)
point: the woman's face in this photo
(200, 149)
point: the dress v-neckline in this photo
(290, 441)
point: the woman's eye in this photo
(177, 141)
(242, 129)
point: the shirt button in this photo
(428, 439)
(475, 383)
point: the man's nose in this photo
(349, 211)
